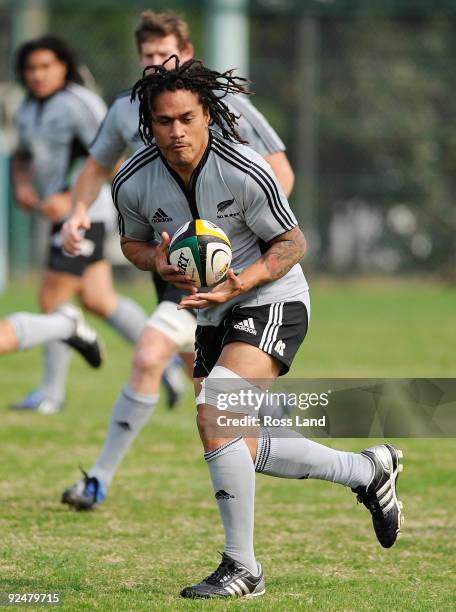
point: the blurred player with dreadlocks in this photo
(56, 123)
(189, 167)
(158, 36)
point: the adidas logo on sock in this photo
(160, 216)
(124, 425)
(246, 325)
(223, 495)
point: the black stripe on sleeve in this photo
(141, 163)
(132, 161)
(242, 159)
(268, 179)
(130, 165)
(247, 169)
(119, 180)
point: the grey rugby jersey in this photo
(120, 129)
(57, 132)
(233, 187)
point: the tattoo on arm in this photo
(284, 252)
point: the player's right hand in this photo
(171, 274)
(71, 232)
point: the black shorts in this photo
(277, 329)
(92, 246)
(165, 291)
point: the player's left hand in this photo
(56, 206)
(229, 289)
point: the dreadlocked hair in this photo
(209, 85)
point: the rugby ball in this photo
(201, 250)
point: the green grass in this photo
(159, 528)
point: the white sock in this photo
(233, 478)
(129, 415)
(286, 454)
(128, 319)
(34, 329)
(57, 356)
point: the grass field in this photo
(159, 530)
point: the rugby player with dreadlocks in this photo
(158, 36)
(188, 167)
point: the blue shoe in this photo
(85, 494)
(173, 380)
(37, 402)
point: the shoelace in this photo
(226, 566)
(371, 502)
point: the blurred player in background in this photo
(158, 36)
(56, 123)
(23, 330)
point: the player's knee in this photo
(47, 302)
(206, 420)
(211, 400)
(148, 361)
(96, 303)
(8, 336)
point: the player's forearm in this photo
(21, 169)
(57, 206)
(25, 195)
(88, 185)
(140, 254)
(21, 177)
(286, 251)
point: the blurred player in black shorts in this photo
(56, 123)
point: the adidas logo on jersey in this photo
(246, 325)
(279, 347)
(160, 216)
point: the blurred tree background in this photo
(362, 94)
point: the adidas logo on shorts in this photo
(247, 326)
(280, 347)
